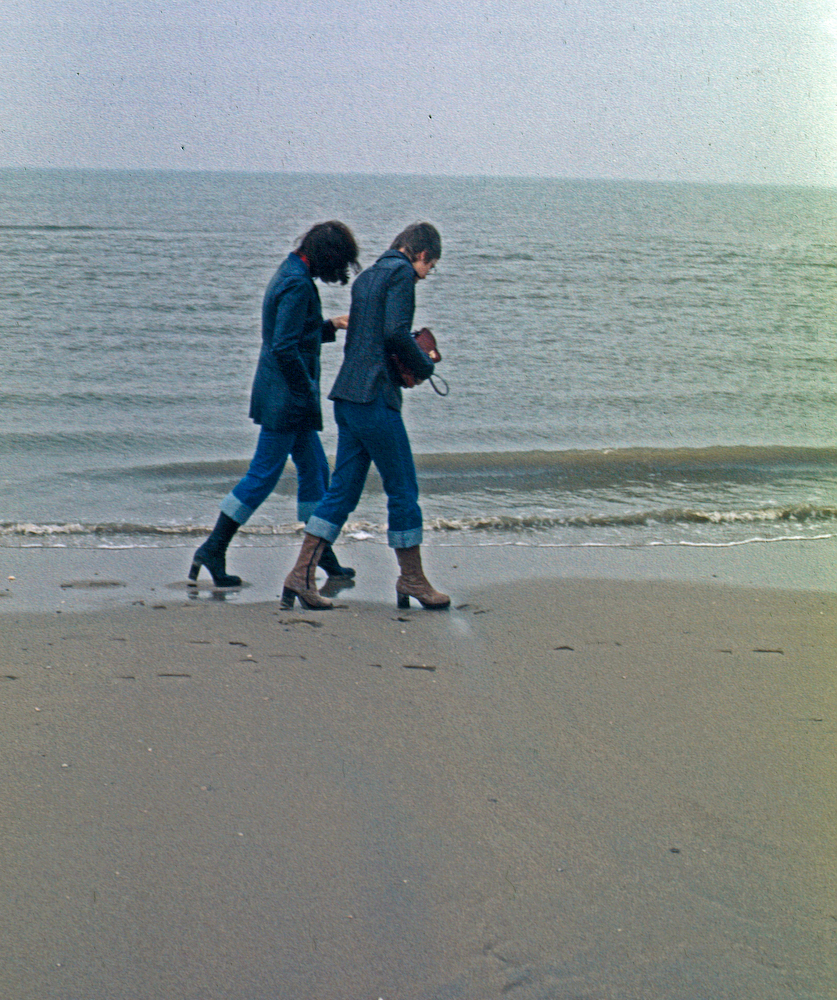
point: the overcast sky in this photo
(708, 90)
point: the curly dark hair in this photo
(331, 250)
(418, 238)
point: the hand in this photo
(340, 322)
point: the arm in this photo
(398, 319)
(289, 323)
(331, 326)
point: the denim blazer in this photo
(286, 387)
(380, 321)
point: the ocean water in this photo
(629, 364)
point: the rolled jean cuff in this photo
(234, 508)
(305, 508)
(404, 539)
(323, 529)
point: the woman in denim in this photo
(367, 408)
(285, 399)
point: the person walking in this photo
(367, 408)
(285, 398)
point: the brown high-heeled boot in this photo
(413, 582)
(300, 582)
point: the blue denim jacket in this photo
(286, 387)
(380, 324)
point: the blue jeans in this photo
(371, 432)
(260, 480)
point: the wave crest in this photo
(797, 514)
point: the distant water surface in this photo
(629, 363)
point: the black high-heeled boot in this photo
(328, 562)
(213, 554)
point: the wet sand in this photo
(563, 788)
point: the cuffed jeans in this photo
(371, 432)
(272, 450)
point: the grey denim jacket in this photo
(380, 323)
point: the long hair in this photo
(331, 250)
(418, 238)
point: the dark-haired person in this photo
(367, 408)
(285, 398)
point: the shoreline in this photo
(53, 579)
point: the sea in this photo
(629, 364)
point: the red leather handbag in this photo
(427, 342)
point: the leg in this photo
(311, 472)
(393, 457)
(386, 440)
(237, 507)
(312, 482)
(350, 470)
(272, 450)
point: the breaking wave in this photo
(17, 533)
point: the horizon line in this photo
(569, 178)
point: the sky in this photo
(741, 91)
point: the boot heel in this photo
(299, 583)
(288, 598)
(403, 600)
(215, 567)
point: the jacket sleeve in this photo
(398, 318)
(291, 311)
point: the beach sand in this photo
(565, 787)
